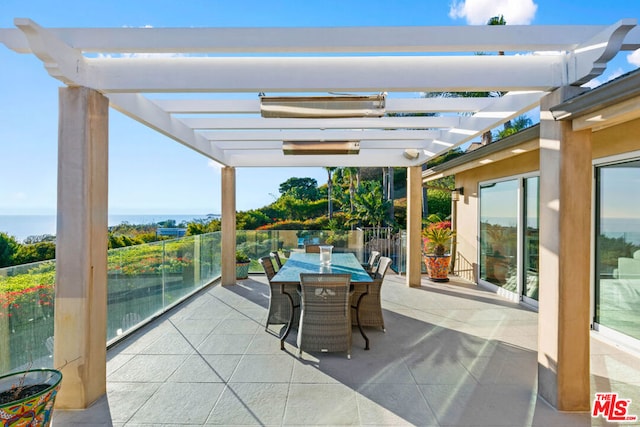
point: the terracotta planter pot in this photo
(438, 267)
(30, 408)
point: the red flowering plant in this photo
(24, 302)
(436, 237)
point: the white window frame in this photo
(603, 331)
(518, 295)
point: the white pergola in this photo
(202, 87)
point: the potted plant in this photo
(27, 397)
(242, 265)
(436, 239)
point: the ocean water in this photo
(23, 226)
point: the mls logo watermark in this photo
(612, 408)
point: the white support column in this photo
(81, 247)
(565, 233)
(414, 226)
(228, 226)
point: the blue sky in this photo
(150, 173)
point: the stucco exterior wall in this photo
(618, 139)
(622, 138)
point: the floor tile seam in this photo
(166, 354)
(229, 386)
(426, 401)
(195, 352)
(139, 407)
(236, 310)
(215, 404)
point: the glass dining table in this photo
(341, 263)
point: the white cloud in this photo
(478, 12)
(593, 83)
(634, 58)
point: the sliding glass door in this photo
(617, 243)
(499, 233)
(531, 237)
(509, 235)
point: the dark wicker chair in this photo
(275, 255)
(374, 258)
(371, 307)
(279, 307)
(325, 319)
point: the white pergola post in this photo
(228, 226)
(414, 226)
(565, 233)
(81, 247)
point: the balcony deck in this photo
(453, 355)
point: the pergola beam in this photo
(505, 108)
(252, 106)
(373, 158)
(320, 135)
(328, 74)
(355, 123)
(146, 112)
(416, 39)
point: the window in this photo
(499, 233)
(531, 248)
(617, 243)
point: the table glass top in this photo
(341, 263)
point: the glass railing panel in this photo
(259, 243)
(143, 281)
(209, 259)
(178, 269)
(134, 286)
(26, 316)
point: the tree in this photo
(329, 190)
(39, 238)
(34, 252)
(8, 247)
(370, 208)
(250, 220)
(514, 126)
(301, 188)
(201, 226)
(351, 174)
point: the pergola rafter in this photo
(216, 74)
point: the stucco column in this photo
(414, 226)
(228, 226)
(80, 338)
(565, 232)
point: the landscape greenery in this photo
(358, 198)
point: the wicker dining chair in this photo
(275, 255)
(371, 265)
(325, 319)
(371, 306)
(279, 306)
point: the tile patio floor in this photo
(453, 355)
